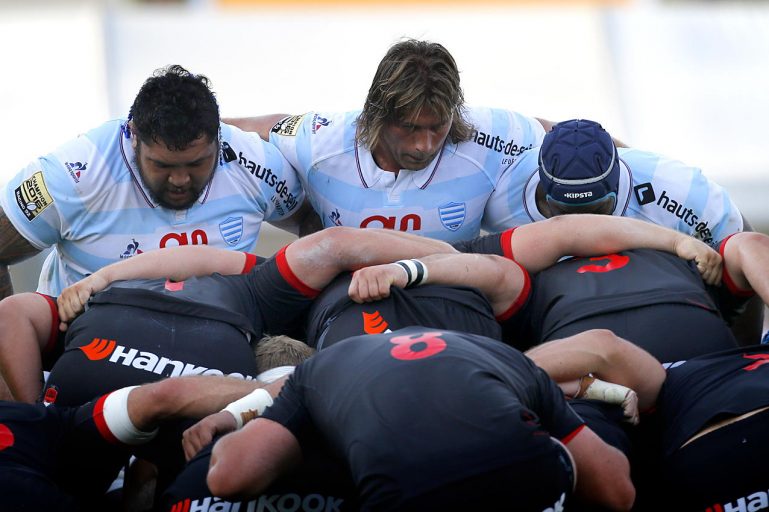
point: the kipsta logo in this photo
(644, 193)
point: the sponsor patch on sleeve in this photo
(32, 196)
(288, 126)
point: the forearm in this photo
(319, 257)
(184, 397)
(499, 279)
(175, 263)
(259, 124)
(607, 357)
(541, 244)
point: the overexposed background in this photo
(684, 78)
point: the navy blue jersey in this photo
(334, 316)
(137, 332)
(709, 388)
(67, 451)
(416, 409)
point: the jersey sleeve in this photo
(672, 194)
(505, 207)
(731, 299)
(275, 176)
(290, 410)
(41, 198)
(291, 136)
(555, 414)
(484, 244)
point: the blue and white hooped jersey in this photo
(445, 200)
(86, 199)
(651, 187)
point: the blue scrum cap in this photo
(578, 163)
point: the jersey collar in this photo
(370, 174)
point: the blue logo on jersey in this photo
(231, 229)
(335, 217)
(318, 121)
(74, 169)
(452, 215)
(131, 249)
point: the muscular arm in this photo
(603, 472)
(13, 248)
(548, 125)
(540, 244)
(606, 356)
(317, 258)
(176, 263)
(270, 449)
(259, 124)
(188, 397)
(748, 326)
(499, 279)
(746, 256)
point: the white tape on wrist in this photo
(416, 272)
(250, 406)
(115, 413)
(606, 392)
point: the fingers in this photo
(194, 439)
(374, 283)
(203, 432)
(709, 262)
(630, 407)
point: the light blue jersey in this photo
(445, 200)
(87, 201)
(651, 187)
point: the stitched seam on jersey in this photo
(360, 171)
(136, 181)
(435, 168)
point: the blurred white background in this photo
(683, 78)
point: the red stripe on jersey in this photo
(507, 245)
(567, 439)
(249, 264)
(727, 279)
(522, 297)
(101, 423)
(290, 277)
(53, 335)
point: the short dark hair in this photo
(175, 107)
(411, 76)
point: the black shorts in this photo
(724, 467)
(111, 346)
(320, 483)
(669, 332)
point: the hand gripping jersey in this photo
(143, 330)
(445, 200)
(87, 200)
(651, 187)
(334, 317)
